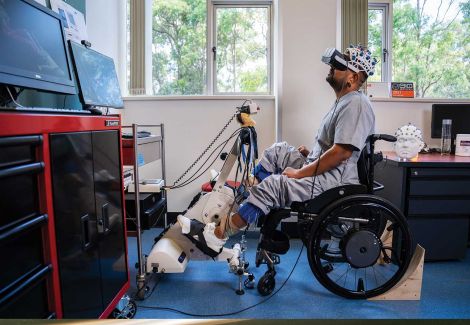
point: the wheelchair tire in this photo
(359, 249)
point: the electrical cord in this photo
(193, 177)
(206, 150)
(13, 99)
(136, 294)
(234, 312)
(208, 147)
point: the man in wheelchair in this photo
(286, 175)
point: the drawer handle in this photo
(23, 284)
(17, 141)
(23, 227)
(22, 170)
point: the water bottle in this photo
(446, 137)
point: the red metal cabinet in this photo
(62, 231)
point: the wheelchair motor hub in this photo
(361, 248)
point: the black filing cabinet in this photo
(434, 194)
(88, 219)
(24, 270)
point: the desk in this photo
(433, 192)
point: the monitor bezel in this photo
(80, 92)
(436, 125)
(18, 78)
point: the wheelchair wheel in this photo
(267, 283)
(366, 244)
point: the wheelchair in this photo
(358, 244)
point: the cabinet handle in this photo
(23, 227)
(22, 140)
(86, 244)
(26, 169)
(25, 282)
(103, 221)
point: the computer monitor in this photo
(97, 78)
(458, 113)
(33, 49)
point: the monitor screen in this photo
(97, 78)
(458, 113)
(33, 51)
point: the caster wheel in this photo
(266, 284)
(250, 282)
(127, 313)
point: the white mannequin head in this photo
(409, 141)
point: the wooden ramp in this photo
(409, 287)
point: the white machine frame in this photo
(173, 250)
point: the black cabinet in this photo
(434, 194)
(86, 183)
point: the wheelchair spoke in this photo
(375, 276)
(347, 270)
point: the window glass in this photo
(242, 45)
(431, 47)
(179, 59)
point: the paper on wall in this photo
(73, 20)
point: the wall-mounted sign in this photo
(403, 89)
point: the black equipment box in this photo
(152, 210)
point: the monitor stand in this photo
(93, 109)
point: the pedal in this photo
(275, 258)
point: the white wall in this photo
(104, 27)
(391, 115)
(307, 28)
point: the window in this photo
(242, 49)
(430, 45)
(201, 47)
(379, 40)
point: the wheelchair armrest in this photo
(315, 205)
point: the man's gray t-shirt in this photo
(350, 121)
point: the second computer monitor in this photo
(97, 78)
(458, 113)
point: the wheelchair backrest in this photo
(368, 158)
(363, 166)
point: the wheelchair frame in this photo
(312, 216)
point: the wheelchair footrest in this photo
(261, 258)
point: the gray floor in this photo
(206, 288)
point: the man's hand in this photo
(303, 150)
(291, 173)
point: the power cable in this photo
(229, 313)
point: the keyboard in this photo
(45, 110)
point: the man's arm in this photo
(332, 158)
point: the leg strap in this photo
(197, 229)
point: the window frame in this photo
(210, 85)
(387, 23)
(212, 42)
